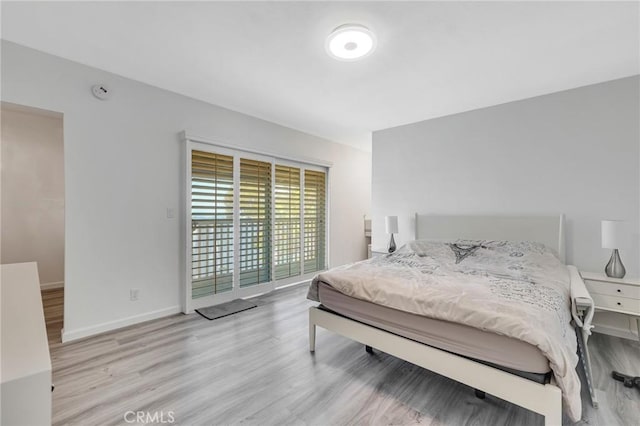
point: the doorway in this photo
(32, 201)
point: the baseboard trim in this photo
(307, 281)
(51, 286)
(71, 335)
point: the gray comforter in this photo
(517, 289)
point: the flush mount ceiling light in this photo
(350, 42)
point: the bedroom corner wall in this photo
(123, 170)
(575, 152)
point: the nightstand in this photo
(375, 252)
(621, 296)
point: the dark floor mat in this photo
(225, 309)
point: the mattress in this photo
(500, 351)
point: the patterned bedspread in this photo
(517, 289)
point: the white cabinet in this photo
(26, 364)
(620, 296)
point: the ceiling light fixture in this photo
(350, 42)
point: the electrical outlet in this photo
(133, 294)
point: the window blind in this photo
(255, 222)
(287, 222)
(211, 223)
(315, 188)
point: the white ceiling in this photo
(268, 60)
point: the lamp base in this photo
(392, 245)
(615, 268)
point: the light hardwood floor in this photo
(255, 368)
(53, 304)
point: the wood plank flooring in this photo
(255, 368)
(53, 304)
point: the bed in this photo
(517, 370)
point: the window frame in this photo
(202, 144)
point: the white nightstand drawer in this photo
(613, 289)
(617, 303)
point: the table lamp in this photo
(391, 224)
(613, 235)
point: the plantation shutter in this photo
(315, 208)
(255, 222)
(211, 223)
(287, 222)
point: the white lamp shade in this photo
(613, 234)
(391, 224)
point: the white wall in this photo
(32, 192)
(575, 152)
(123, 170)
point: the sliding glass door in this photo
(315, 218)
(287, 222)
(254, 222)
(212, 202)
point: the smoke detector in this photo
(101, 92)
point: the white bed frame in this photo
(545, 399)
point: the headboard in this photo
(548, 230)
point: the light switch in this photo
(171, 213)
